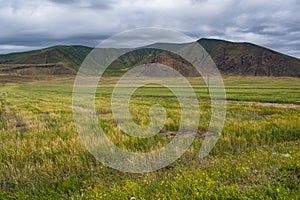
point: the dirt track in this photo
(276, 105)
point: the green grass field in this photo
(257, 156)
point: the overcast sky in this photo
(34, 24)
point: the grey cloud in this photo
(269, 23)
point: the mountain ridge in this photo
(232, 58)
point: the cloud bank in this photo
(34, 24)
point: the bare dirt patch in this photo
(10, 119)
(170, 134)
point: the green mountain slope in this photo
(71, 55)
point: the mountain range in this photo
(231, 58)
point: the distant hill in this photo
(231, 58)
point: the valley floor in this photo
(256, 157)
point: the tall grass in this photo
(42, 157)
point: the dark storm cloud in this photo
(46, 40)
(271, 23)
(63, 1)
(93, 4)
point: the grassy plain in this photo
(257, 156)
